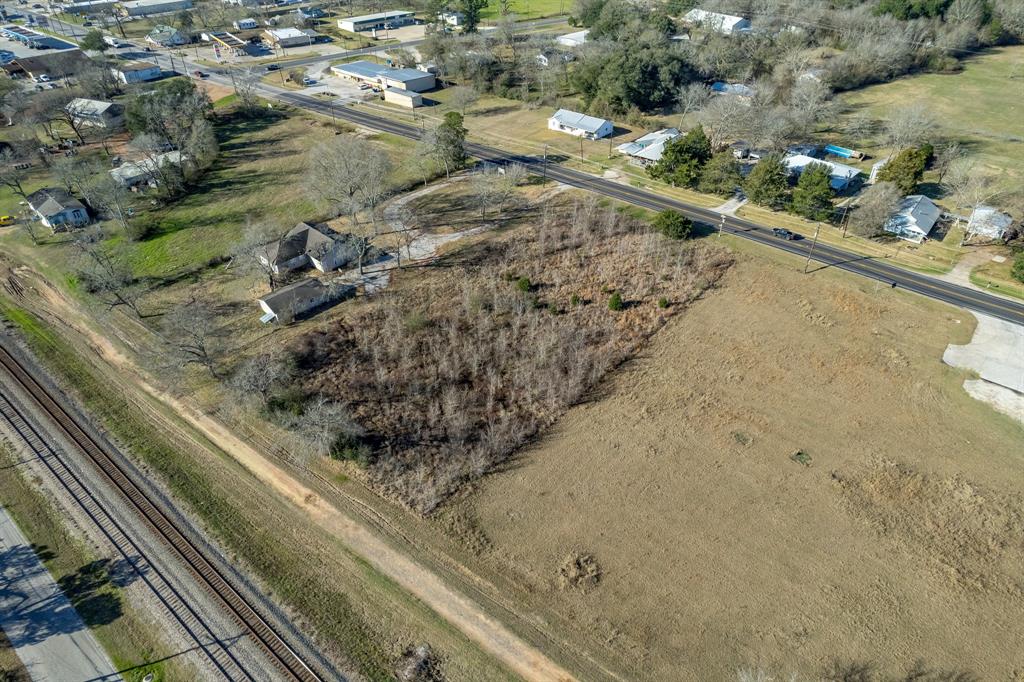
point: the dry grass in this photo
(449, 376)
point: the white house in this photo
(307, 245)
(914, 218)
(452, 18)
(245, 24)
(166, 36)
(57, 209)
(726, 24)
(135, 173)
(646, 150)
(580, 125)
(988, 222)
(96, 113)
(136, 72)
(841, 174)
(289, 37)
(573, 39)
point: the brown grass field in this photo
(895, 537)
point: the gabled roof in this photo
(93, 107)
(129, 67)
(293, 298)
(128, 172)
(574, 119)
(915, 214)
(988, 222)
(650, 146)
(717, 19)
(63, 63)
(162, 33)
(839, 171)
(303, 240)
(52, 200)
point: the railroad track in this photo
(283, 656)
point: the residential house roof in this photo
(52, 200)
(129, 67)
(132, 171)
(574, 119)
(164, 34)
(303, 239)
(738, 89)
(722, 22)
(916, 214)
(574, 39)
(650, 146)
(988, 221)
(63, 63)
(295, 298)
(93, 107)
(841, 173)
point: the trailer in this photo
(843, 152)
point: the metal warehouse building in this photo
(368, 22)
(412, 80)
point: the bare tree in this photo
(259, 376)
(321, 425)
(908, 126)
(692, 98)
(402, 57)
(485, 183)
(12, 172)
(873, 209)
(946, 157)
(349, 175)
(255, 251)
(108, 279)
(244, 83)
(191, 328)
(462, 97)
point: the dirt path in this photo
(455, 607)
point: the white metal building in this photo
(403, 98)
(288, 37)
(988, 222)
(842, 175)
(144, 8)
(573, 39)
(363, 71)
(580, 125)
(726, 24)
(380, 20)
(136, 72)
(914, 218)
(646, 150)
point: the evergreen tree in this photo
(768, 183)
(812, 197)
(906, 169)
(721, 175)
(93, 40)
(471, 11)
(683, 159)
(673, 224)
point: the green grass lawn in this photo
(980, 105)
(997, 277)
(529, 9)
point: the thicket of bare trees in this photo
(450, 378)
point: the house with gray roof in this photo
(988, 222)
(57, 209)
(580, 125)
(166, 36)
(96, 113)
(289, 302)
(316, 246)
(647, 150)
(914, 218)
(840, 175)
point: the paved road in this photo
(45, 630)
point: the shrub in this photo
(673, 225)
(1017, 271)
(615, 302)
(523, 284)
(662, 302)
(575, 300)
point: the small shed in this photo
(291, 301)
(573, 39)
(914, 218)
(403, 98)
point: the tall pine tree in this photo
(812, 197)
(683, 158)
(768, 183)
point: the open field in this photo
(894, 535)
(980, 105)
(529, 9)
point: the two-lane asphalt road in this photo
(828, 256)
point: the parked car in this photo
(782, 233)
(364, 86)
(43, 78)
(273, 67)
(308, 81)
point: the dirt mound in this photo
(971, 536)
(579, 572)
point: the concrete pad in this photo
(43, 627)
(1002, 399)
(996, 353)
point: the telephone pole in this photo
(817, 229)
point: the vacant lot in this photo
(980, 105)
(788, 478)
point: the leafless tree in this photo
(244, 83)
(12, 175)
(105, 277)
(873, 208)
(199, 149)
(692, 98)
(462, 97)
(168, 176)
(485, 183)
(254, 253)
(860, 127)
(946, 157)
(321, 425)
(349, 175)
(259, 376)
(402, 57)
(908, 126)
(191, 330)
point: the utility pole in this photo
(817, 229)
(581, 149)
(721, 225)
(544, 173)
